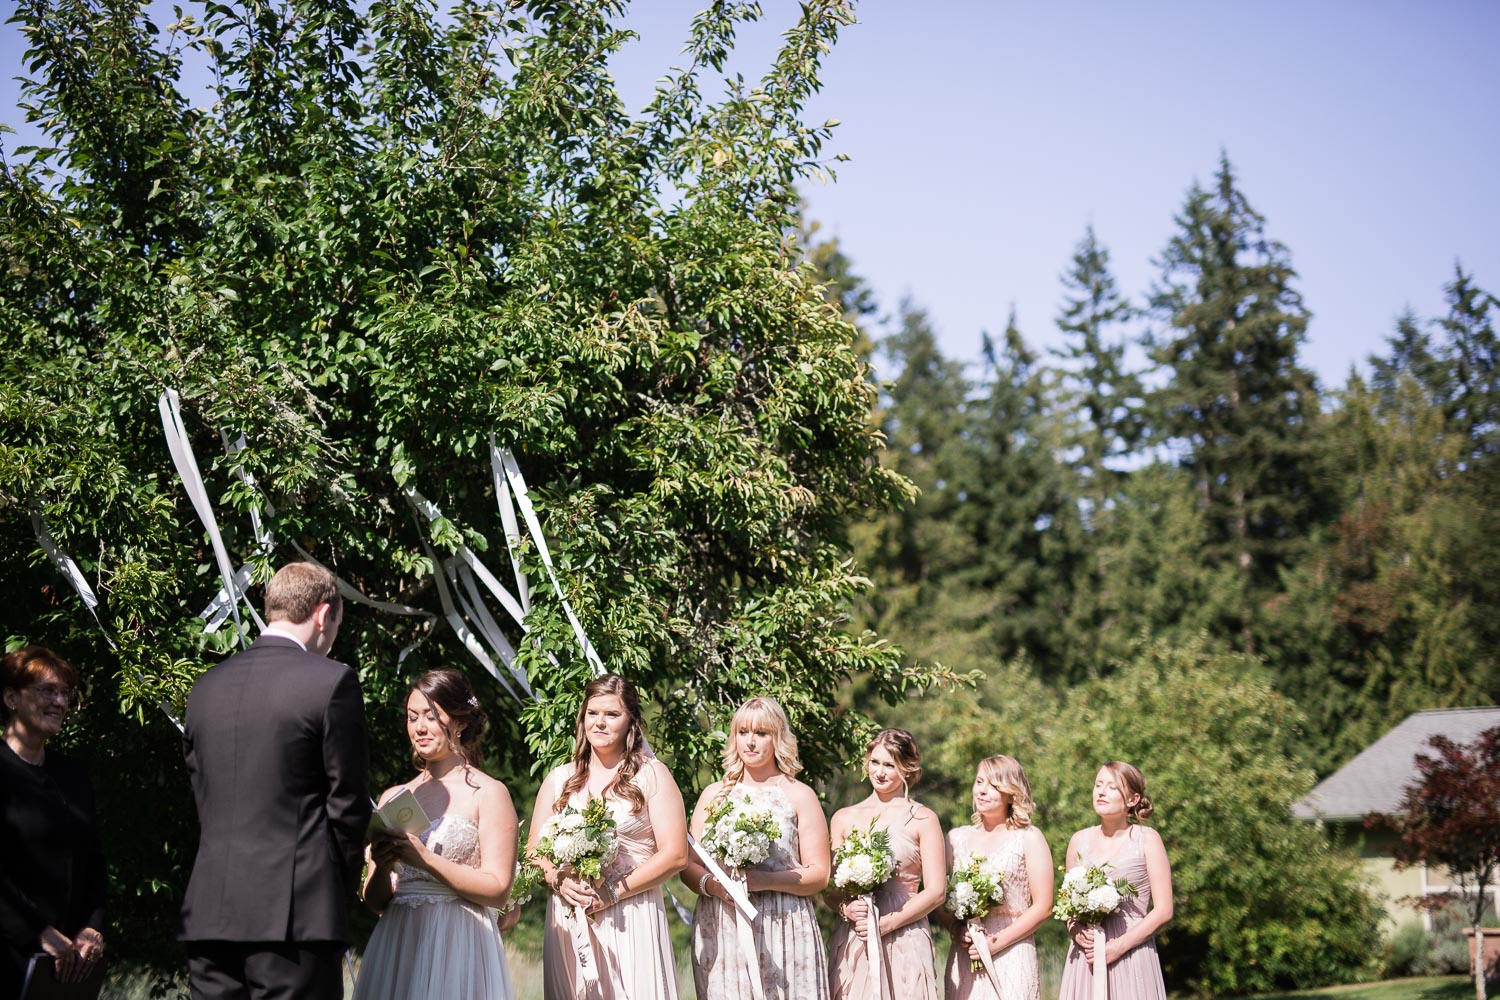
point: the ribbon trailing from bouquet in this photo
(584, 959)
(744, 928)
(982, 945)
(872, 945)
(1101, 969)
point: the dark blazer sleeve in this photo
(21, 920)
(346, 761)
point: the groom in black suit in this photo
(275, 744)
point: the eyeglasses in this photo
(50, 692)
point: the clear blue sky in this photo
(984, 136)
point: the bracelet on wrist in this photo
(703, 883)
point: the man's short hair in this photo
(297, 589)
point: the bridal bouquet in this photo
(863, 862)
(1088, 895)
(973, 888)
(581, 841)
(738, 833)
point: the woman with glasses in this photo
(53, 879)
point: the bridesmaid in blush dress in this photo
(627, 917)
(893, 764)
(784, 945)
(1135, 853)
(1003, 835)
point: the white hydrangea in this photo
(962, 899)
(1104, 898)
(1077, 879)
(858, 870)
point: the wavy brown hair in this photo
(450, 690)
(1007, 774)
(635, 744)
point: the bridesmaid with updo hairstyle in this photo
(893, 763)
(1134, 852)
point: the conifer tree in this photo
(1237, 403)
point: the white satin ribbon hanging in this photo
(872, 946)
(1101, 969)
(180, 447)
(70, 572)
(982, 945)
(736, 889)
(584, 959)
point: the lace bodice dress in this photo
(788, 947)
(431, 942)
(1136, 975)
(1016, 976)
(631, 944)
(906, 953)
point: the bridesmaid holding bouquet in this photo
(782, 949)
(1015, 855)
(1135, 853)
(893, 764)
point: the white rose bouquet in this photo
(863, 862)
(974, 888)
(738, 833)
(580, 841)
(1088, 895)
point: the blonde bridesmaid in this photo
(786, 953)
(893, 763)
(1001, 832)
(1135, 853)
(627, 924)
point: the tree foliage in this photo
(396, 232)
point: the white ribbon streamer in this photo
(1101, 969)
(982, 944)
(872, 945)
(735, 888)
(180, 447)
(583, 952)
(745, 930)
(70, 571)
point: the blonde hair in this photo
(766, 712)
(1132, 783)
(1007, 775)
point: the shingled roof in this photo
(1374, 779)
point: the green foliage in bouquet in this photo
(863, 861)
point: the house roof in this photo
(1374, 779)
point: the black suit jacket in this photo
(276, 752)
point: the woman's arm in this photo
(489, 884)
(1159, 874)
(1039, 876)
(954, 926)
(694, 870)
(934, 874)
(664, 806)
(811, 876)
(838, 832)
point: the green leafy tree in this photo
(1220, 750)
(1236, 402)
(395, 234)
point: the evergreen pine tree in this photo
(1237, 404)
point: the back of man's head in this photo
(297, 589)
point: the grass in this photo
(1420, 988)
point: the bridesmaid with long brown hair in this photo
(627, 924)
(1134, 852)
(893, 763)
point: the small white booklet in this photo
(402, 813)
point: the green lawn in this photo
(1422, 988)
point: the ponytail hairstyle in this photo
(768, 714)
(902, 746)
(450, 690)
(1133, 785)
(1007, 774)
(635, 744)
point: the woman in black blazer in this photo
(53, 878)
